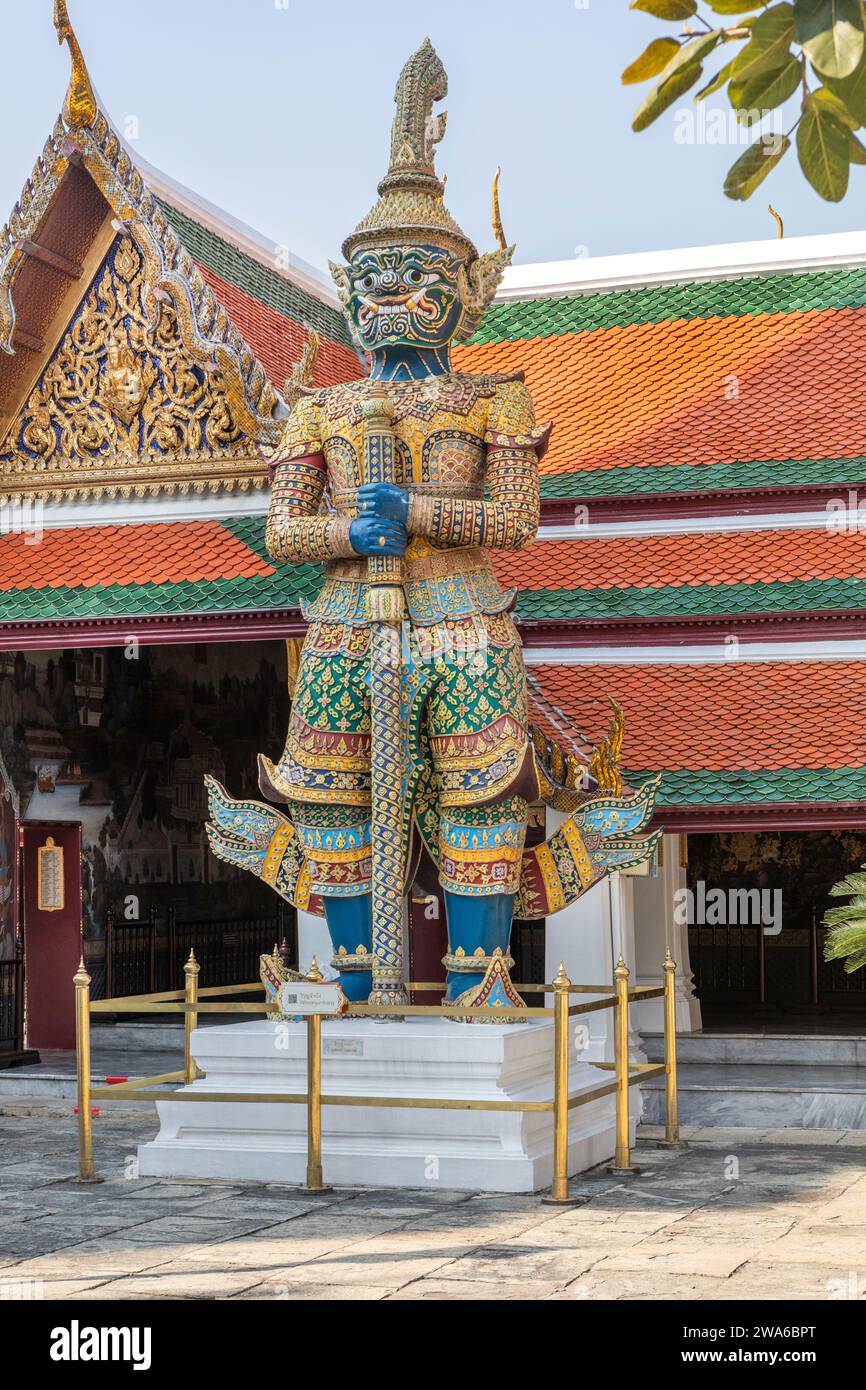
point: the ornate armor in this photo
(403, 484)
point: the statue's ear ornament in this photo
(300, 382)
(340, 277)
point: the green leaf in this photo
(652, 61)
(856, 150)
(851, 91)
(766, 90)
(769, 45)
(831, 103)
(718, 81)
(735, 6)
(692, 52)
(754, 165)
(822, 147)
(667, 9)
(831, 31)
(854, 883)
(663, 96)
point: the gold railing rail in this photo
(189, 1003)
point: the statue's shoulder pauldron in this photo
(342, 402)
(301, 433)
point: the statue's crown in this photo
(410, 205)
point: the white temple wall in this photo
(656, 929)
(588, 938)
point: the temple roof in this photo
(749, 382)
(151, 570)
(715, 573)
(728, 733)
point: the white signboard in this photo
(304, 997)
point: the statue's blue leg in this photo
(350, 923)
(473, 922)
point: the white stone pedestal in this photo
(369, 1146)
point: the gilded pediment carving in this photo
(122, 406)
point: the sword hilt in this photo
(385, 602)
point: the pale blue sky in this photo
(280, 111)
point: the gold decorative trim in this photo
(213, 341)
(36, 197)
(80, 106)
(121, 400)
(50, 893)
(605, 761)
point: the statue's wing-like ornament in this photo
(603, 835)
(254, 836)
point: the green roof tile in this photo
(703, 477)
(253, 278)
(512, 320)
(700, 787)
(672, 600)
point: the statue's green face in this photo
(403, 296)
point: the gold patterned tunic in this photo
(467, 451)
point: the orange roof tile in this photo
(718, 390)
(723, 716)
(655, 562)
(85, 557)
(277, 340)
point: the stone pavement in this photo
(738, 1214)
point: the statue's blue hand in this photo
(376, 535)
(384, 499)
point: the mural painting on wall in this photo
(801, 865)
(120, 740)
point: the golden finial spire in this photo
(498, 230)
(605, 760)
(780, 226)
(79, 108)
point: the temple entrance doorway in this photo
(755, 903)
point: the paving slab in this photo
(770, 1214)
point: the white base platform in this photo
(369, 1146)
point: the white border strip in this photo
(27, 517)
(589, 275)
(700, 525)
(734, 651)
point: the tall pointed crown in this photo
(410, 206)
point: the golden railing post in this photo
(314, 1093)
(672, 1109)
(190, 1018)
(558, 1195)
(622, 1156)
(81, 980)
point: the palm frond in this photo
(846, 940)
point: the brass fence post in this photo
(622, 1156)
(314, 1181)
(81, 980)
(672, 1112)
(558, 1195)
(190, 1019)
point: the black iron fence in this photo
(145, 956)
(228, 952)
(12, 1005)
(130, 955)
(743, 964)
